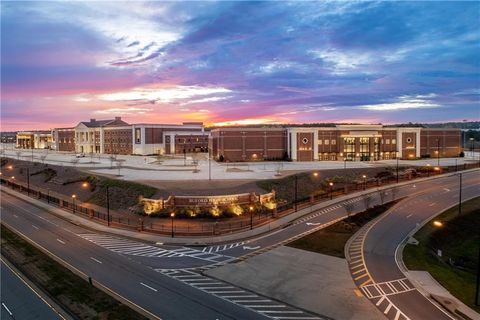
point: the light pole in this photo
(472, 140)
(428, 169)
(48, 195)
(172, 215)
(108, 206)
(397, 167)
(330, 184)
(73, 202)
(296, 191)
(438, 152)
(209, 165)
(364, 182)
(10, 167)
(251, 217)
(460, 196)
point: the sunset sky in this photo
(238, 62)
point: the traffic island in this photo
(332, 239)
(76, 296)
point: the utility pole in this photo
(209, 165)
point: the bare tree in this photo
(43, 157)
(367, 200)
(349, 207)
(18, 153)
(112, 159)
(383, 194)
(119, 164)
(395, 191)
(74, 162)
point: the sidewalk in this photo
(261, 230)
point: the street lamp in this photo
(107, 193)
(73, 202)
(438, 152)
(172, 215)
(441, 224)
(364, 181)
(10, 167)
(330, 184)
(397, 166)
(251, 217)
(428, 169)
(296, 192)
(84, 184)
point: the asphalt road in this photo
(164, 295)
(373, 264)
(165, 279)
(19, 301)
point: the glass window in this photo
(327, 142)
(394, 141)
(334, 141)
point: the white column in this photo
(399, 143)
(294, 146)
(417, 144)
(315, 145)
(102, 142)
(172, 143)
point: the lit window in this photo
(394, 141)
(327, 142)
(334, 141)
(387, 141)
(320, 142)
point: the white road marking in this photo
(98, 261)
(250, 248)
(15, 216)
(411, 214)
(379, 302)
(35, 227)
(147, 286)
(61, 241)
(8, 310)
(431, 204)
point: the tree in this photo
(367, 200)
(119, 164)
(43, 157)
(74, 162)
(19, 153)
(349, 207)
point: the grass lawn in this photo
(459, 240)
(74, 294)
(123, 194)
(332, 239)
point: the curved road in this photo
(167, 280)
(373, 261)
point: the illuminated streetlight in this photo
(251, 217)
(438, 223)
(331, 190)
(73, 202)
(364, 181)
(172, 215)
(10, 167)
(315, 174)
(85, 184)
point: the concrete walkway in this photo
(311, 281)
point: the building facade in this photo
(342, 142)
(248, 144)
(64, 139)
(34, 140)
(169, 138)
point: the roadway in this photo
(373, 254)
(20, 301)
(165, 280)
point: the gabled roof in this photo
(93, 123)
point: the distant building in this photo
(34, 140)
(8, 137)
(343, 142)
(169, 138)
